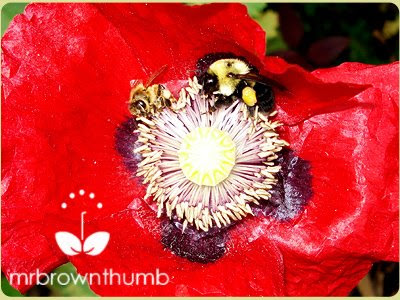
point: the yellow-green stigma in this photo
(206, 168)
(207, 156)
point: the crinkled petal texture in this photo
(352, 219)
(65, 80)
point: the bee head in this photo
(139, 104)
(224, 70)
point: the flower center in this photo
(206, 166)
(207, 156)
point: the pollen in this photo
(207, 156)
(249, 96)
(206, 167)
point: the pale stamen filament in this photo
(228, 181)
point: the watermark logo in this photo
(107, 278)
(71, 245)
(92, 245)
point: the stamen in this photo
(206, 167)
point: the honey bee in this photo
(229, 77)
(148, 99)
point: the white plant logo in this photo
(93, 245)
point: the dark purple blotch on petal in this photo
(292, 191)
(126, 140)
(289, 197)
(195, 245)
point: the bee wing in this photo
(155, 75)
(134, 82)
(260, 79)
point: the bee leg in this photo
(249, 96)
(212, 109)
(251, 110)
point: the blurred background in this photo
(313, 35)
(317, 35)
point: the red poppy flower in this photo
(66, 129)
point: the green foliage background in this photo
(8, 12)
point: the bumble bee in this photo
(229, 77)
(146, 100)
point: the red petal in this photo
(306, 95)
(62, 140)
(133, 249)
(352, 220)
(66, 72)
(293, 57)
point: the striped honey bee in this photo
(149, 99)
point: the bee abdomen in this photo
(265, 97)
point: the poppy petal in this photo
(133, 250)
(352, 219)
(65, 77)
(63, 140)
(306, 95)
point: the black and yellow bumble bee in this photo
(229, 77)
